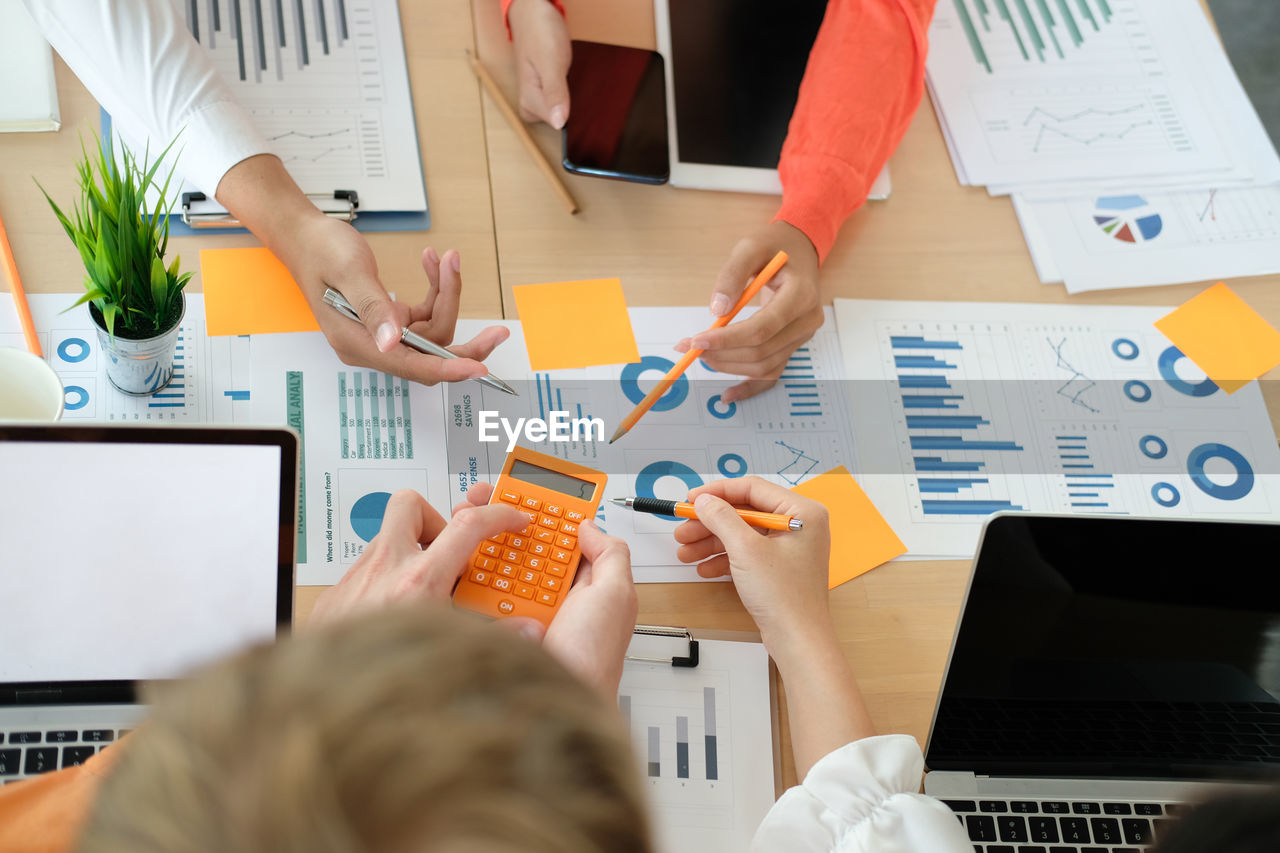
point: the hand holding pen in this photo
(411, 339)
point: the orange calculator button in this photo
(567, 542)
(544, 536)
(553, 509)
(540, 548)
(524, 590)
(571, 529)
(561, 556)
(535, 563)
(532, 516)
(552, 584)
(531, 503)
(573, 515)
(511, 556)
(506, 605)
(491, 549)
(556, 569)
(548, 521)
(498, 537)
(507, 570)
(485, 563)
(547, 597)
(529, 576)
(501, 584)
(509, 497)
(480, 577)
(518, 542)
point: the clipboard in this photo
(197, 214)
(703, 713)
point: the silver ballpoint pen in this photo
(412, 339)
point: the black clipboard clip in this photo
(226, 220)
(688, 661)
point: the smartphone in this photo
(529, 572)
(617, 125)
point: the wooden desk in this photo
(450, 136)
(932, 240)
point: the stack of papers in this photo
(1130, 149)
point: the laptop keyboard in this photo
(1062, 826)
(29, 753)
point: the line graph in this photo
(1208, 208)
(1073, 122)
(1077, 384)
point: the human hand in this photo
(781, 576)
(415, 555)
(326, 252)
(590, 632)
(543, 54)
(759, 346)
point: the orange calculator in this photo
(528, 573)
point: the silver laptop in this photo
(1104, 671)
(130, 554)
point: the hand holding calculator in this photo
(528, 573)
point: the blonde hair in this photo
(401, 730)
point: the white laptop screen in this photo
(126, 561)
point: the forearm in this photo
(824, 704)
(863, 83)
(142, 65)
(260, 193)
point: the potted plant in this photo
(135, 301)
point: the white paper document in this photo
(211, 376)
(1054, 92)
(962, 409)
(1152, 238)
(365, 435)
(704, 739)
(326, 83)
(796, 430)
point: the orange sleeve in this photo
(863, 82)
(506, 7)
(45, 814)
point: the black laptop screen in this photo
(137, 554)
(1116, 647)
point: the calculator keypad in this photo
(533, 562)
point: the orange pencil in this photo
(766, 274)
(19, 295)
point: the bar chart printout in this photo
(704, 736)
(961, 410)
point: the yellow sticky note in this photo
(860, 537)
(576, 324)
(1225, 338)
(249, 292)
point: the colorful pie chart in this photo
(1127, 218)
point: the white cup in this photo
(30, 390)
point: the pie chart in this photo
(366, 514)
(1127, 218)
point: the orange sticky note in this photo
(1225, 338)
(249, 292)
(576, 324)
(860, 537)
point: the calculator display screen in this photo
(553, 480)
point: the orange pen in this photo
(766, 274)
(680, 509)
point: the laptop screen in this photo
(137, 554)
(1116, 647)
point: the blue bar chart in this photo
(980, 408)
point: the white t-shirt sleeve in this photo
(862, 797)
(141, 63)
